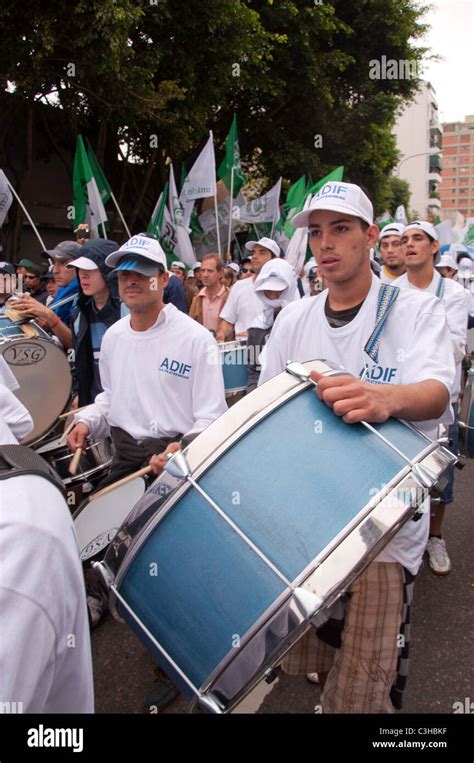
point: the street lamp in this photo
(412, 156)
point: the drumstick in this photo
(64, 435)
(109, 488)
(72, 411)
(75, 461)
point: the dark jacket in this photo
(174, 293)
(96, 250)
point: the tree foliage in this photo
(154, 77)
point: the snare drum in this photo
(97, 520)
(92, 465)
(233, 357)
(221, 568)
(42, 371)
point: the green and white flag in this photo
(262, 210)
(175, 235)
(469, 236)
(200, 182)
(230, 170)
(97, 171)
(88, 206)
(296, 252)
(156, 223)
(6, 197)
(384, 219)
(401, 215)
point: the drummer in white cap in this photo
(407, 372)
(243, 305)
(391, 252)
(157, 382)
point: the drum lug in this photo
(307, 602)
(104, 574)
(271, 674)
(178, 466)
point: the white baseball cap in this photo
(233, 266)
(392, 229)
(178, 265)
(347, 198)
(446, 261)
(190, 274)
(423, 225)
(84, 263)
(138, 246)
(267, 243)
(196, 266)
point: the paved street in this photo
(441, 670)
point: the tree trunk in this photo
(143, 190)
(17, 230)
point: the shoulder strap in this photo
(440, 288)
(386, 300)
(18, 460)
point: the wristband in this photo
(56, 323)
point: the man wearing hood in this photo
(275, 287)
(98, 307)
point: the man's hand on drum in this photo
(77, 437)
(352, 399)
(158, 462)
(26, 304)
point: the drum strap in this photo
(18, 460)
(386, 300)
(440, 288)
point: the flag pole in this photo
(26, 213)
(121, 215)
(104, 233)
(217, 226)
(230, 208)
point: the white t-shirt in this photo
(385, 277)
(157, 383)
(7, 377)
(456, 302)
(415, 346)
(242, 306)
(45, 652)
(15, 416)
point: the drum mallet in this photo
(75, 461)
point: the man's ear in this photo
(372, 235)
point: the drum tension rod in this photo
(299, 371)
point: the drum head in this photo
(97, 521)
(42, 371)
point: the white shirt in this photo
(456, 302)
(415, 346)
(385, 277)
(15, 416)
(7, 377)
(157, 383)
(242, 306)
(45, 652)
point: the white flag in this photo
(98, 214)
(175, 235)
(262, 210)
(200, 182)
(401, 215)
(445, 232)
(296, 252)
(6, 197)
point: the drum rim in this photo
(246, 422)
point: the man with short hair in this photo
(413, 353)
(420, 249)
(174, 292)
(246, 269)
(391, 253)
(98, 307)
(208, 303)
(197, 274)
(243, 305)
(34, 283)
(57, 319)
